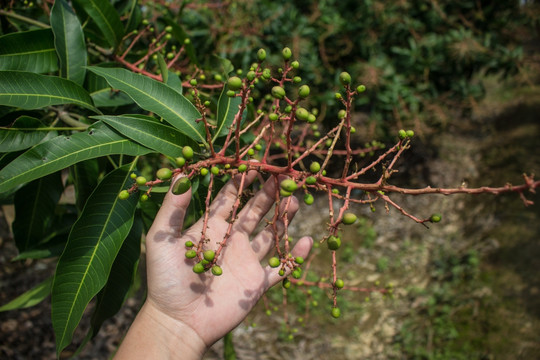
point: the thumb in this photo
(170, 218)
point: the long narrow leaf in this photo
(30, 298)
(113, 295)
(92, 247)
(157, 97)
(33, 91)
(106, 18)
(226, 111)
(69, 42)
(107, 97)
(28, 51)
(149, 132)
(63, 151)
(34, 210)
(24, 133)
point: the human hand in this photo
(203, 307)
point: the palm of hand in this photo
(212, 305)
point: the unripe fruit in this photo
(188, 243)
(231, 93)
(181, 186)
(190, 254)
(133, 176)
(303, 91)
(261, 54)
(250, 75)
(302, 114)
(214, 170)
(273, 117)
(164, 174)
(192, 82)
(187, 151)
(297, 273)
(204, 171)
(242, 168)
(295, 64)
(218, 77)
(409, 133)
(315, 167)
(341, 114)
(308, 199)
(311, 118)
(337, 96)
(333, 242)
(311, 180)
(353, 129)
(361, 88)
(296, 79)
(336, 312)
(284, 193)
(349, 218)
(345, 78)
(288, 185)
(286, 283)
(216, 270)
(281, 272)
(299, 260)
(278, 92)
(288, 109)
(234, 83)
(274, 262)
(435, 218)
(340, 284)
(209, 255)
(402, 134)
(140, 180)
(287, 53)
(144, 197)
(123, 195)
(251, 152)
(198, 268)
(266, 74)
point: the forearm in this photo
(154, 335)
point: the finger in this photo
(302, 248)
(170, 218)
(265, 240)
(256, 208)
(224, 201)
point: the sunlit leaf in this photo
(63, 151)
(149, 132)
(157, 97)
(226, 112)
(27, 90)
(92, 247)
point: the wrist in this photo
(156, 335)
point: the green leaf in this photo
(24, 133)
(107, 97)
(106, 18)
(113, 295)
(228, 347)
(28, 51)
(49, 249)
(30, 298)
(69, 41)
(84, 176)
(163, 68)
(34, 210)
(174, 82)
(92, 247)
(157, 97)
(149, 132)
(134, 16)
(33, 91)
(63, 151)
(226, 111)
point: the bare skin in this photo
(185, 313)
